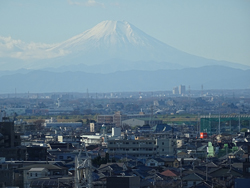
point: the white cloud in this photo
(18, 49)
(89, 3)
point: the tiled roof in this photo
(168, 173)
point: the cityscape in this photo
(124, 94)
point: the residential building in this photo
(142, 148)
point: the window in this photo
(162, 143)
(36, 174)
(162, 149)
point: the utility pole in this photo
(239, 123)
(181, 172)
(151, 118)
(206, 168)
(219, 124)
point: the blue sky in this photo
(216, 29)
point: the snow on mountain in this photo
(122, 41)
(115, 40)
(107, 33)
(101, 45)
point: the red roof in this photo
(168, 173)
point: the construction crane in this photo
(83, 170)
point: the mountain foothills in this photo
(143, 62)
(212, 77)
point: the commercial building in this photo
(118, 118)
(175, 91)
(142, 121)
(105, 119)
(182, 89)
(217, 124)
(10, 142)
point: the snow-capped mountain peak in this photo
(108, 41)
(107, 33)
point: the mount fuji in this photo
(108, 47)
(112, 56)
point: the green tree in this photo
(243, 130)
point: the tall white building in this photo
(92, 127)
(175, 90)
(182, 89)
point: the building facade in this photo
(142, 148)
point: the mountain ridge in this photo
(134, 80)
(97, 46)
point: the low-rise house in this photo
(171, 162)
(191, 180)
(225, 175)
(170, 173)
(39, 171)
(152, 163)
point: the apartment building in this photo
(142, 148)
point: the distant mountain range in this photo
(211, 77)
(112, 56)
